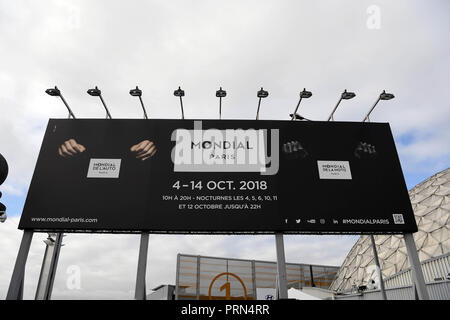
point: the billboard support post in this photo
(48, 269)
(140, 291)
(377, 264)
(372, 239)
(416, 268)
(15, 289)
(281, 267)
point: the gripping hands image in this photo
(143, 150)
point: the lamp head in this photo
(305, 94)
(221, 93)
(53, 92)
(94, 92)
(178, 92)
(262, 93)
(386, 96)
(136, 92)
(346, 95)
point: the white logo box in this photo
(339, 170)
(104, 168)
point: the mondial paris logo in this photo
(230, 150)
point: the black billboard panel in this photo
(218, 176)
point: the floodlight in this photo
(96, 92)
(303, 94)
(138, 93)
(383, 96)
(180, 93)
(220, 94)
(346, 95)
(260, 94)
(55, 92)
(386, 96)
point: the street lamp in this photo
(55, 92)
(220, 94)
(180, 93)
(303, 94)
(138, 93)
(96, 92)
(260, 94)
(383, 96)
(346, 95)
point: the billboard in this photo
(217, 176)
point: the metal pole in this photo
(372, 239)
(332, 112)
(377, 263)
(257, 111)
(177, 284)
(54, 265)
(21, 288)
(254, 279)
(140, 291)
(220, 108)
(370, 111)
(108, 115)
(43, 276)
(281, 267)
(311, 274)
(143, 108)
(298, 104)
(48, 269)
(67, 106)
(182, 109)
(197, 280)
(416, 268)
(16, 284)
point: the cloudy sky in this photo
(284, 46)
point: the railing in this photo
(439, 290)
(434, 269)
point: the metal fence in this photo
(434, 269)
(439, 290)
(200, 277)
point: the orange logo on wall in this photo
(227, 286)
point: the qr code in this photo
(398, 219)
